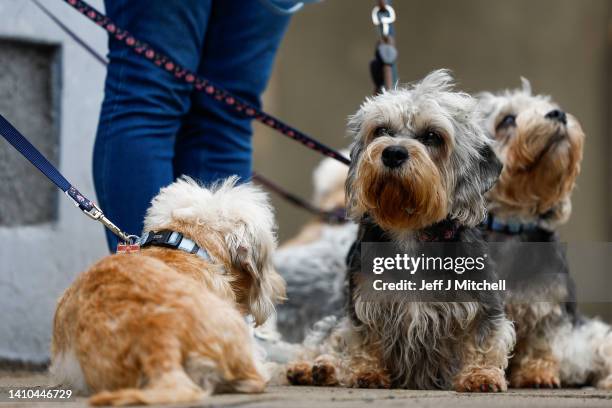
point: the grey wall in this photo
(42, 250)
(36, 108)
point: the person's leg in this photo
(143, 106)
(241, 42)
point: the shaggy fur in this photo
(399, 343)
(541, 157)
(541, 148)
(314, 262)
(315, 274)
(164, 326)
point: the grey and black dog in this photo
(541, 148)
(421, 164)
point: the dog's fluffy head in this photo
(420, 155)
(541, 148)
(236, 222)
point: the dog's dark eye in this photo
(507, 121)
(430, 138)
(382, 131)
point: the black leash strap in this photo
(331, 217)
(383, 67)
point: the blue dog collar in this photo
(173, 240)
(510, 226)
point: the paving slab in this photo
(324, 397)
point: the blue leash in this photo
(27, 150)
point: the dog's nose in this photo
(394, 156)
(557, 115)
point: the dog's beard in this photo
(410, 197)
(542, 161)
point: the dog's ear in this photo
(488, 105)
(526, 85)
(251, 255)
(469, 204)
(489, 167)
(353, 209)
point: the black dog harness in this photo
(173, 240)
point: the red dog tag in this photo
(127, 248)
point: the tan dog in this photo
(541, 147)
(163, 325)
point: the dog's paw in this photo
(300, 373)
(324, 372)
(371, 379)
(535, 375)
(486, 379)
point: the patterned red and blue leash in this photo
(331, 217)
(201, 84)
(20, 142)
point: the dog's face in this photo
(419, 156)
(236, 224)
(541, 148)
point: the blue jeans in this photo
(154, 128)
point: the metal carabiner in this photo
(96, 214)
(384, 18)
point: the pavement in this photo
(321, 397)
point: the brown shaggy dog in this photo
(163, 325)
(541, 148)
(420, 165)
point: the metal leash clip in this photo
(383, 17)
(89, 208)
(130, 246)
(96, 214)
